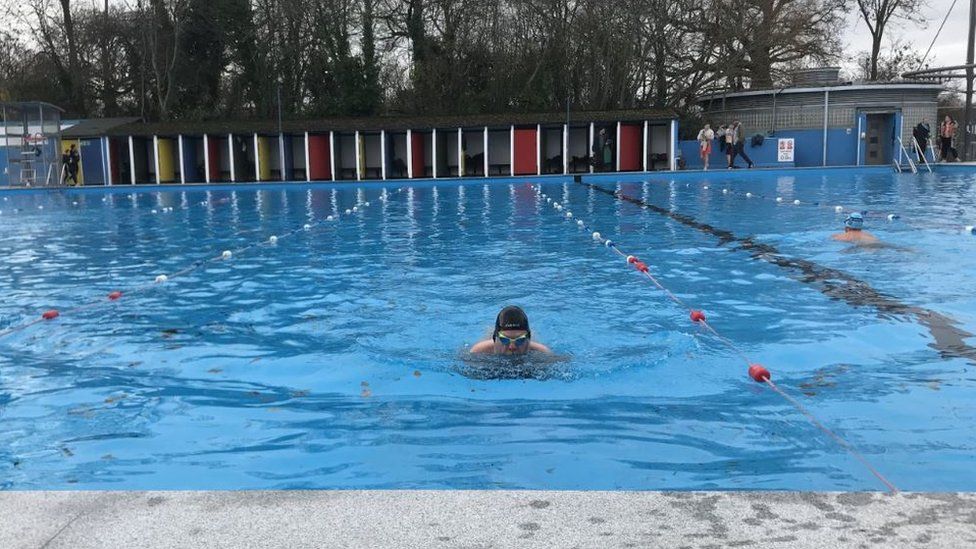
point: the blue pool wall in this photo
(842, 150)
(599, 178)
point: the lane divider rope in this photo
(226, 255)
(728, 191)
(756, 371)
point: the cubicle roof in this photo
(389, 123)
(95, 127)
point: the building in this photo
(123, 151)
(821, 121)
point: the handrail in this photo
(932, 148)
(907, 156)
(921, 154)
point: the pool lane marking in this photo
(949, 338)
(226, 255)
(748, 195)
(756, 371)
(727, 191)
(891, 217)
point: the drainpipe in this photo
(772, 131)
(826, 107)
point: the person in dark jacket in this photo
(71, 160)
(738, 144)
(921, 133)
(603, 151)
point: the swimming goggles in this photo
(519, 341)
(854, 222)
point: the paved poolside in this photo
(483, 519)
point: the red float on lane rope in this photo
(114, 295)
(50, 315)
(758, 373)
(637, 263)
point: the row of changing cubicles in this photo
(137, 158)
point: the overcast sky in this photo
(949, 49)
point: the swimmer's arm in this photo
(480, 347)
(533, 346)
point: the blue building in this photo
(820, 121)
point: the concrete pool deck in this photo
(483, 519)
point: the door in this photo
(877, 147)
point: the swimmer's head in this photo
(511, 334)
(854, 222)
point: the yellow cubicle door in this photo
(63, 169)
(167, 168)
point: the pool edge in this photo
(481, 518)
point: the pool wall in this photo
(429, 182)
(808, 150)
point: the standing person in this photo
(720, 134)
(738, 144)
(599, 144)
(729, 140)
(71, 160)
(947, 130)
(921, 134)
(705, 137)
(607, 151)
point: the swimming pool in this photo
(334, 358)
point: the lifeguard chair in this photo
(30, 144)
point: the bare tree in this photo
(878, 14)
(771, 34)
(171, 59)
(894, 59)
(55, 31)
(163, 26)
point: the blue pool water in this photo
(335, 359)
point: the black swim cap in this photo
(511, 318)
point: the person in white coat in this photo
(705, 138)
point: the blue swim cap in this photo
(854, 221)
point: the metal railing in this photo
(921, 154)
(908, 157)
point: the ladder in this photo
(28, 174)
(908, 157)
(918, 149)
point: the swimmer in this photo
(854, 232)
(511, 335)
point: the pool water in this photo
(336, 357)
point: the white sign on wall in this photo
(784, 150)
